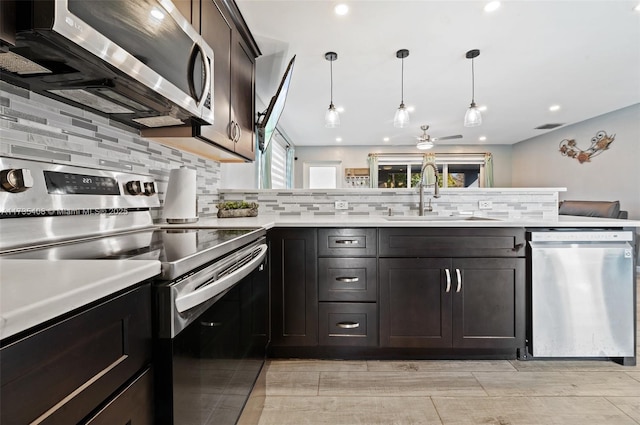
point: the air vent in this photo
(549, 126)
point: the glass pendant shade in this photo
(401, 119)
(331, 117)
(473, 117)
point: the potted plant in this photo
(237, 209)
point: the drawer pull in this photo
(347, 242)
(347, 279)
(348, 325)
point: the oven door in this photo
(206, 370)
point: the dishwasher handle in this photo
(210, 290)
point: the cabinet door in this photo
(294, 287)
(217, 32)
(488, 302)
(190, 9)
(415, 306)
(242, 98)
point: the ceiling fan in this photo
(426, 142)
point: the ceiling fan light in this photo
(473, 117)
(401, 118)
(424, 145)
(331, 117)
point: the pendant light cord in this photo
(402, 83)
(473, 82)
(331, 85)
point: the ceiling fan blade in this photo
(457, 136)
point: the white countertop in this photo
(34, 291)
(269, 221)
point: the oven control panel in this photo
(28, 186)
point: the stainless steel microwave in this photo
(139, 62)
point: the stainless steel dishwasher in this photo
(582, 294)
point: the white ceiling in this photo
(581, 55)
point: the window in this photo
(455, 170)
(322, 174)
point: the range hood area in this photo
(139, 63)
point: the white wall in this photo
(612, 175)
(356, 157)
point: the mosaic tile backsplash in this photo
(505, 203)
(36, 127)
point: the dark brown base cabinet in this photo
(91, 366)
(398, 292)
(458, 303)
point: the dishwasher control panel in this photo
(583, 236)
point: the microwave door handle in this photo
(206, 292)
(199, 97)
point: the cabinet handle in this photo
(348, 325)
(210, 324)
(239, 133)
(347, 242)
(459, 280)
(448, 273)
(232, 131)
(347, 279)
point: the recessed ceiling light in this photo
(492, 6)
(411, 108)
(482, 108)
(482, 138)
(554, 108)
(340, 109)
(341, 9)
(338, 139)
(637, 8)
(386, 139)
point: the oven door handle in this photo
(208, 291)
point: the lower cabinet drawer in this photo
(348, 324)
(347, 279)
(132, 406)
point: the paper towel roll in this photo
(180, 205)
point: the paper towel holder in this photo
(181, 201)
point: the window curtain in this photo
(488, 170)
(373, 170)
(265, 168)
(290, 166)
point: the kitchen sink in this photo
(438, 218)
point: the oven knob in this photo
(16, 179)
(149, 188)
(134, 187)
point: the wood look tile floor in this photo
(509, 392)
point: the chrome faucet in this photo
(436, 187)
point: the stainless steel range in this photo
(210, 300)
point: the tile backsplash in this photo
(36, 127)
(520, 203)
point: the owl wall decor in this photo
(599, 143)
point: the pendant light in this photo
(331, 117)
(401, 119)
(473, 117)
